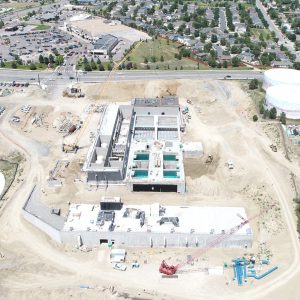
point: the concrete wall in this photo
(38, 215)
(92, 238)
(53, 233)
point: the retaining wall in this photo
(145, 239)
(40, 216)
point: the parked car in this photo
(119, 267)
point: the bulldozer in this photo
(69, 148)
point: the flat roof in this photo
(163, 101)
(105, 41)
(200, 220)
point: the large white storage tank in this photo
(285, 98)
(281, 76)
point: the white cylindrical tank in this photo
(281, 76)
(285, 98)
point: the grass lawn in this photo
(25, 67)
(42, 27)
(266, 33)
(158, 48)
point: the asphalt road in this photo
(223, 22)
(97, 76)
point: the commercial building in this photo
(105, 44)
(139, 145)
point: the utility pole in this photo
(39, 79)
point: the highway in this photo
(97, 76)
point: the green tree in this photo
(85, 60)
(109, 67)
(266, 114)
(145, 60)
(207, 47)
(225, 64)
(87, 67)
(255, 118)
(93, 65)
(51, 59)
(46, 60)
(253, 85)
(1, 24)
(214, 38)
(273, 113)
(59, 60)
(261, 107)
(41, 59)
(32, 66)
(170, 26)
(101, 67)
(296, 65)
(283, 118)
(235, 61)
(162, 58)
(2, 64)
(212, 62)
(153, 59)
(185, 52)
(14, 65)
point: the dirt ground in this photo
(96, 26)
(34, 267)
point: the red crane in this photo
(171, 270)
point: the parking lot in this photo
(29, 46)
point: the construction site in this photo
(157, 189)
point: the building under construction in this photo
(154, 225)
(139, 145)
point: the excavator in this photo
(164, 268)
